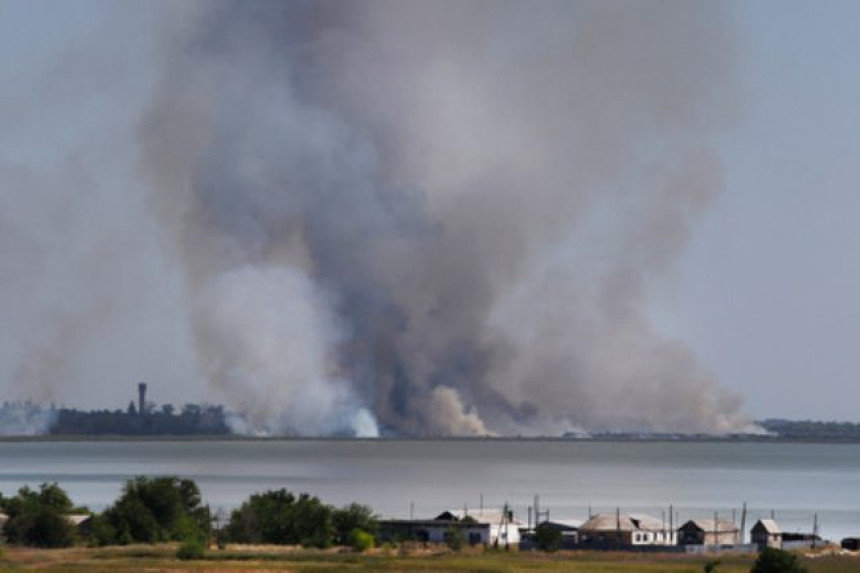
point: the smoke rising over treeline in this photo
(442, 218)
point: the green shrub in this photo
(190, 550)
(455, 539)
(360, 540)
(351, 517)
(777, 561)
(547, 538)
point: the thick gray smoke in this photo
(447, 217)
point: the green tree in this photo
(351, 517)
(38, 518)
(152, 510)
(777, 561)
(279, 517)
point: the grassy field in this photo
(154, 559)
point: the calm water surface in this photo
(794, 480)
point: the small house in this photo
(487, 527)
(851, 543)
(766, 533)
(504, 530)
(606, 531)
(432, 530)
(709, 532)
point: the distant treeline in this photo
(193, 419)
(809, 430)
(26, 418)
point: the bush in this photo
(777, 561)
(455, 539)
(360, 540)
(191, 550)
(547, 538)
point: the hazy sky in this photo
(765, 293)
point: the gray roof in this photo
(608, 522)
(708, 525)
(768, 525)
(491, 516)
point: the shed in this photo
(709, 532)
(766, 533)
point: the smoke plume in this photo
(451, 215)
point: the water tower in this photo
(141, 398)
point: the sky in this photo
(764, 292)
(768, 287)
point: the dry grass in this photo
(262, 559)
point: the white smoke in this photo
(271, 342)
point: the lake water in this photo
(796, 481)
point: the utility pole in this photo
(743, 522)
(814, 530)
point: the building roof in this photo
(768, 525)
(430, 523)
(709, 525)
(647, 522)
(78, 519)
(490, 516)
(608, 522)
(623, 522)
(565, 524)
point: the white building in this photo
(502, 529)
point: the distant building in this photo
(851, 543)
(3, 519)
(709, 532)
(487, 527)
(606, 530)
(766, 533)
